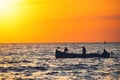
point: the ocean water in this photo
(37, 62)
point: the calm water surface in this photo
(37, 62)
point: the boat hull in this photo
(59, 54)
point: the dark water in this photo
(37, 62)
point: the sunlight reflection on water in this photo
(37, 61)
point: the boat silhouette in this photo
(60, 54)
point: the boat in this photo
(60, 54)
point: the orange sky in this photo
(59, 21)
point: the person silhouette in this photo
(65, 49)
(83, 50)
(105, 54)
(104, 51)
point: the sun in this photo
(8, 7)
(10, 12)
(7, 4)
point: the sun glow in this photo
(7, 3)
(11, 12)
(59, 21)
(9, 8)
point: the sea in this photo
(36, 61)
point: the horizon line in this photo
(56, 42)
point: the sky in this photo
(24, 21)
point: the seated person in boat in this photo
(83, 50)
(105, 53)
(65, 50)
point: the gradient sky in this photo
(59, 21)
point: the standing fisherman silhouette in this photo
(83, 50)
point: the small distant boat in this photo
(105, 42)
(60, 54)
